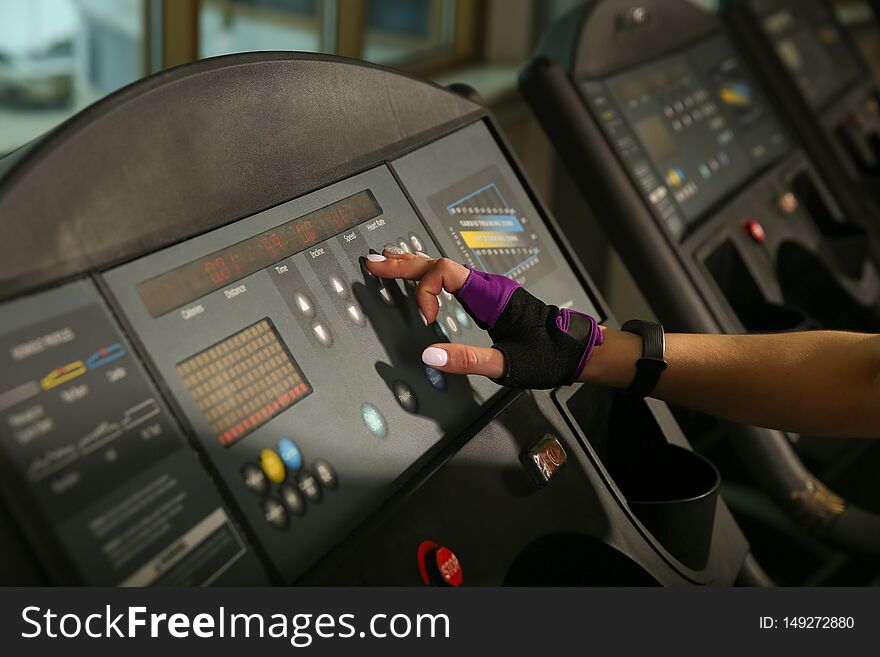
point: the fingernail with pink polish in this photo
(424, 319)
(423, 255)
(434, 357)
(375, 257)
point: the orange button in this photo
(272, 465)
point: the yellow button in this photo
(272, 465)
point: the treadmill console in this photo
(811, 46)
(298, 372)
(690, 128)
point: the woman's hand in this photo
(535, 345)
(434, 276)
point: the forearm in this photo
(819, 383)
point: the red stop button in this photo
(755, 231)
(438, 565)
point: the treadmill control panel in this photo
(300, 373)
(690, 128)
(811, 46)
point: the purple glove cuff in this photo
(486, 296)
(595, 337)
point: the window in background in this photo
(408, 31)
(57, 56)
(227, 26)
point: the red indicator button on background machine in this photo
(755, 231)
(438, 565)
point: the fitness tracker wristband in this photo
(652, 363)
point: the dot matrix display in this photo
(244, 381)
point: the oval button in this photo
(272, 465)
(373, 420)
(405, 396)
(290, 454)
(434, 377)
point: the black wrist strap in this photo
(652, 363)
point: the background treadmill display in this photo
(690, 128)
(244, 381)
(810, 46)
(199, 277)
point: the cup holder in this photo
(671, 490)
(568, 559)
(674, 492)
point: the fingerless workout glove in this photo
(543, 346)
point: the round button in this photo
(325, 473)
(322, 334)
(309, 485)
(435, 377)
(254, 478)
(416, 242)
(339, 287)
(462, 317)
(373, 420)
(788, 203)
(292, 499)
(439, 566)
(274, 513)
(403, 244)
(305, 305)
(405, 396)
(272, 465)
(290, 454)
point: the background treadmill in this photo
(861, 20)
(200, 383)
(823, 87)
(720, 217)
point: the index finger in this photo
(411, 269)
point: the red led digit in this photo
(267, 244)
(305, 232)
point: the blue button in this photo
(435, 377)
(373, 420)
(290, 454)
